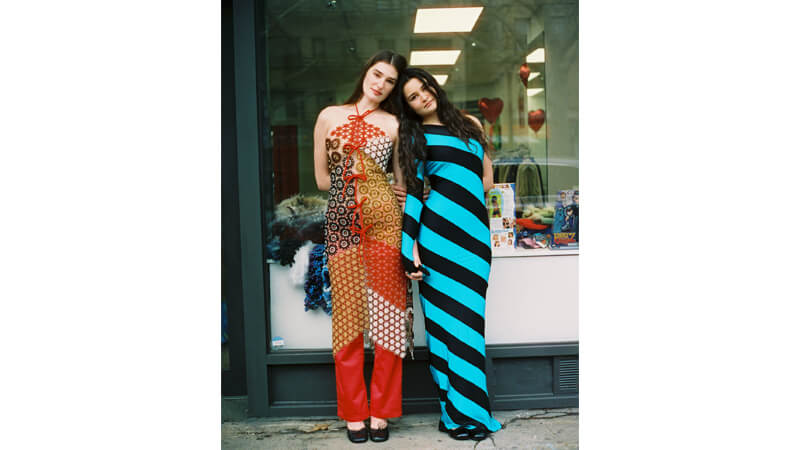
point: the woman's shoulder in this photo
(385, 115)
(387, 121)
(474, 119)
(331, 112)
(332, 116)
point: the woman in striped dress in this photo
(445, 246)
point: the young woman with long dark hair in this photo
(446, 246)
(353, 153)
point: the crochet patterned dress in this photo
(362, 238)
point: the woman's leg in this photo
(351, 392)
(386, 389)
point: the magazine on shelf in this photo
(565, 221)
(503, 239)
(500, 203)
(564, 241)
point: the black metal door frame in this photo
(254, 284)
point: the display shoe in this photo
(478, 434)
(379, 434)
(357, 437)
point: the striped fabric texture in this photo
(452, 232)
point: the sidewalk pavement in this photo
(550, 429)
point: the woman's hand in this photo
(417, 263)
(400, 193)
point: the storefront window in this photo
(515, 69)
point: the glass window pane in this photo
(516, 71)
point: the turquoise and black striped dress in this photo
(452, 233)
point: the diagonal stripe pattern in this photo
(451, 229)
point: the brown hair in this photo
(412, 135)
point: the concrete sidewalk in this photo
(552, 429)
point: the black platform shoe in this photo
(478, 434)
(459, 434)
(379, 434)
(357, 437)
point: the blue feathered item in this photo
(318, 281)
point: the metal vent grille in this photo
(568, 375)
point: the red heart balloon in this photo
(536, 119)
(490, 108)
(524, 73)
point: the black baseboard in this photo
(532, 376)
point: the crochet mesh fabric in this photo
(362, 238)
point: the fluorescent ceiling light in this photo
(534, 91)
(434, 57)
(533, 75)
(446, 20)
(441, 79)
(536, 56)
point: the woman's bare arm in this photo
(488, 174)
(321, 172)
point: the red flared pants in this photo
(385, 388)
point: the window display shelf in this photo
(510, 253)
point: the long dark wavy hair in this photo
(412, 137)
(390, 103)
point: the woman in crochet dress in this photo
(353, 155)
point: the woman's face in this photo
(419, 97)
(379, 81)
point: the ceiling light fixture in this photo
(533, 75)
(446, 20)
(434, 57)
(534, 91)
(441, 79)
(536, 56)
